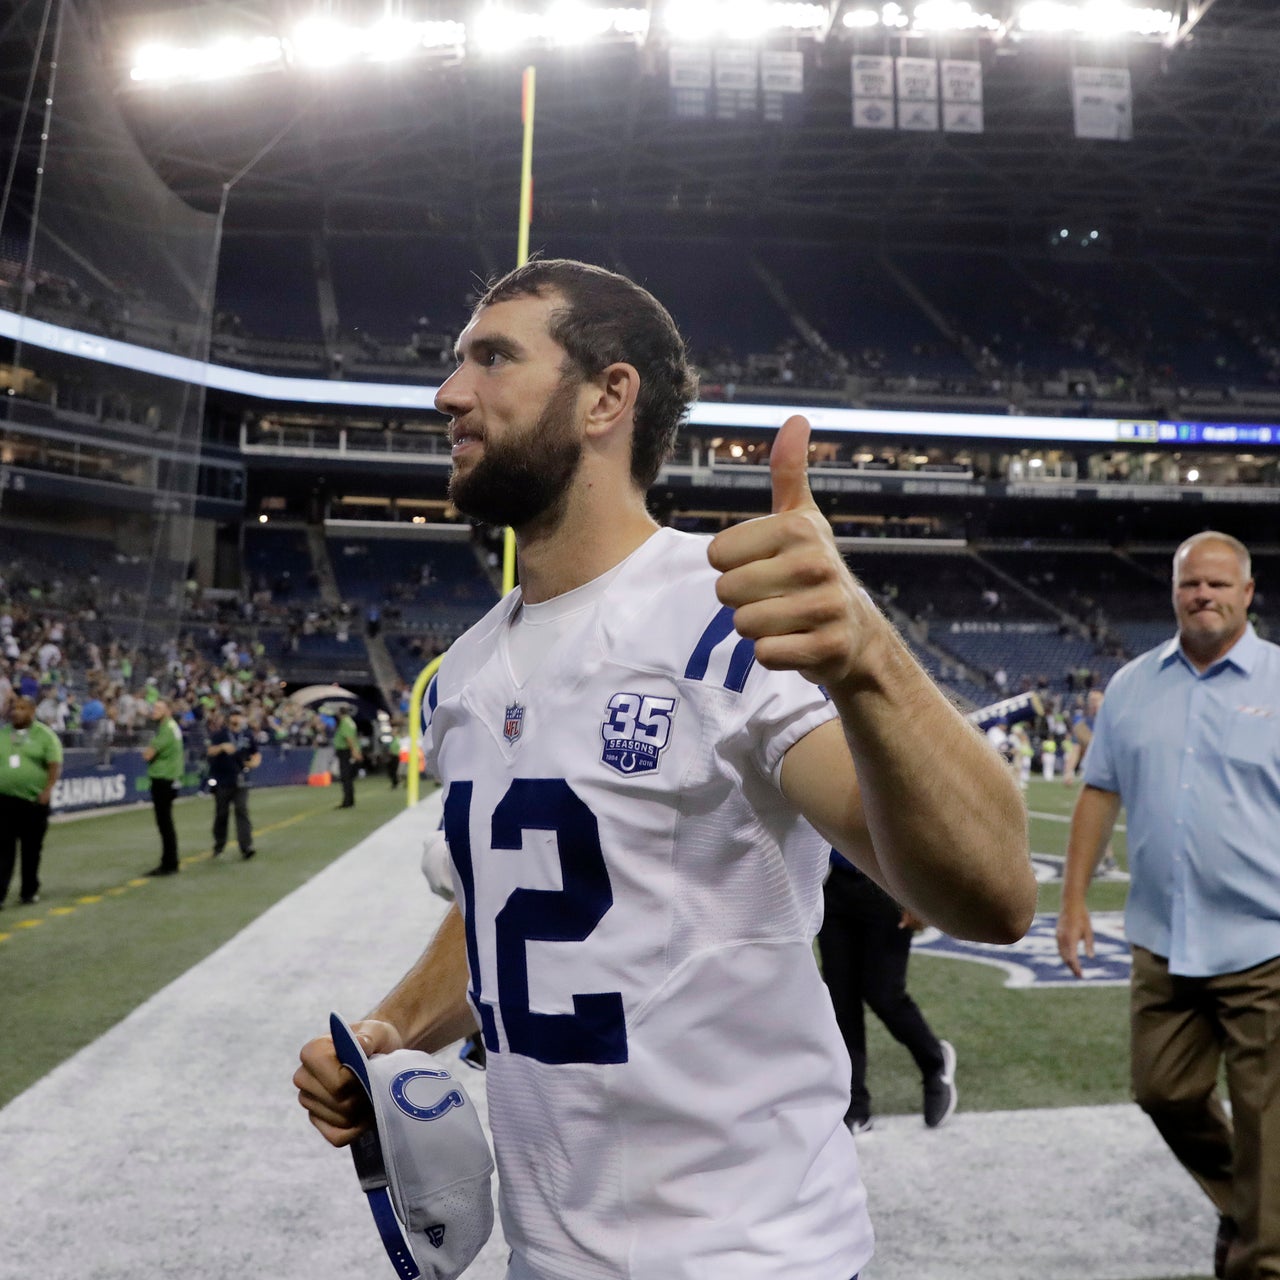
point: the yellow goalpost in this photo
(509, 538)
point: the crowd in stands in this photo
(988, 622)
(57, 647)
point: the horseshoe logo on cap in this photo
(446, 1104)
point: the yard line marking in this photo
(1063, 817)
(137, 882)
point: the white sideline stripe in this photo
(1064, 817)
(174, 1145)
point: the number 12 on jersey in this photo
(596, 1031)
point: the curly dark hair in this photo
(609, 319)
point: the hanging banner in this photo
(689, 77)
(737, 84)
(872, 91)
(961, 96)
(1103, 102)
(917, 83)
(781, 84)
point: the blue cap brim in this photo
(350, 1052)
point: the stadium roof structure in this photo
(432, 147)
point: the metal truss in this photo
(434, 149)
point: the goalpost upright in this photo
(508, 538)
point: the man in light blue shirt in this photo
(1188, 740)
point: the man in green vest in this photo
(346, 746)
(163, 755)
(30, 762)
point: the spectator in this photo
(232, 753)
(346, 746)
(865, 944)
(1186, 741)
(30, 763)
(164, 757)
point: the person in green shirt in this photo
(30, 762)
(346, 746)
(163, 755)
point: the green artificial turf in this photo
(104, 937)
(107, 938)
(1016, 1048)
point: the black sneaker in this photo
(1228, 1231)
(940, 1094)
(163, 871)
(30, 901)
(216, 853)
(248, 853)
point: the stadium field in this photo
(173, 1141)
(1032, 1046)
(104, 937)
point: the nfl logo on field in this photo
(513, 722)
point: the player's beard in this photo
(526, 477)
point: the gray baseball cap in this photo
(425, 1165)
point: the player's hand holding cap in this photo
(425, 1164)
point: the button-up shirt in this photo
(1195, 758)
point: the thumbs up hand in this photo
(786, 581)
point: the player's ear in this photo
(613, 398)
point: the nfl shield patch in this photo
(513, 722)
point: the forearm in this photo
(946, 820)
(428, 1006)
(1091, 825)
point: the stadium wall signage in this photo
(85, 786)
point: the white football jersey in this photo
(667, 1084)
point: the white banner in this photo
(961, 96)
(872, 92)
(737, 69)
(917, 79)
(781, 71)
(962, 117)
(961, 81)
(690, 68)
(1103, 102)
(917, 83)
(872, 77)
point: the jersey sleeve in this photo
(426, 736)
(768, 711)
(784, 709)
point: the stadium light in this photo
(928, 15)
(694, 20)
(230, 56)
(1094, 18)
(952, 15)
(319, 42)
(497, 28)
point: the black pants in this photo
(864, 960)
(225, 796)
(347, 772)
(162, 796)
(22, 823)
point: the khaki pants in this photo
(1181, 1031)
